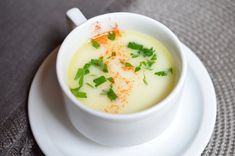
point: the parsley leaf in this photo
(161, 73)
(142, 63)
(95, 44)
(77, 93)
(104, 67)
(150, 62)
(96, 62)
(128, 64)
(111, 36)
(147, 51)
(81, 79)
(111, 94)
(164, 73)
(79, 73)
(100, 80)
(110, 79)
(86, 68)
(170, 70)
(135, 46)
(154, 57)
(137, 69)
(144, 79)
(99, 63)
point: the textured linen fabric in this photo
(30, 30)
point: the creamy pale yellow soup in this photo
(121, 72)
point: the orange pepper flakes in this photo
(117, 32)
(101, 39)
(117, 53)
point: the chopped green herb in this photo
(170, 70)
(95, 62)
(164, 73)
(111, 94)
(99, 62)
(149, 64)
(79, 73)
(137, 68)
(128, 64)
(147, 51)
(154, 57)
(89, 85)
(98, 81)
(86, 68)
(111, 36)
(95, 44)
(104, 67)
(135, 46)
(144, 79)
(77, 93)
(134, 55)
(142, 63)
(81, 79)
(110, 79)
(161, 73)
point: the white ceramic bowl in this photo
(122, 129)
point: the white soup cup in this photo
(119, 129)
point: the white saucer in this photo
(188, 135)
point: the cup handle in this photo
(74, 18)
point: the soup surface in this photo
(121, 72)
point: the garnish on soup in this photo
(95, 44)
(121, 72)
(164, 72)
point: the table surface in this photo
(30, 30)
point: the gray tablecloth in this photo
(29, 30)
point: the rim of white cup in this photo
(135, 115)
